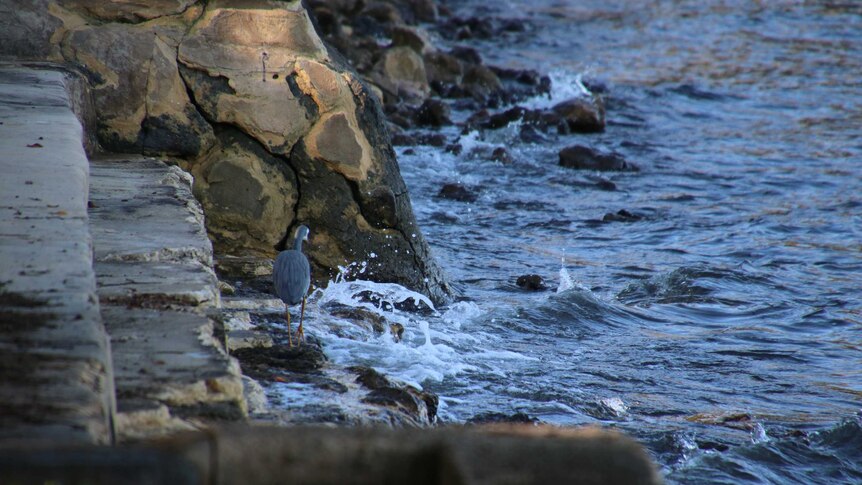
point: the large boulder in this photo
(277, 129)
(141, 101)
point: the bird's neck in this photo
(297, 244)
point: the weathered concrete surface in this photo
(258, 455)
(55, 369)
(157, 288)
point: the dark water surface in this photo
(724, 328)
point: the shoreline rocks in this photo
(585, 158)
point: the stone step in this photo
(158, 293)
(55, 366)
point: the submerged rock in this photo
(501, 155)
(496, 418)
(582, 157)
(457, 192)
(433, 112)
(621, 215)
(531, 282)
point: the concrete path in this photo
(157, 289)
(55, 369)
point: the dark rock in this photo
(581, 157)
(605, 184)
(481, 83)
(385, 392)
(454, 148)
(300, 358)
(582, 114)
(499, 120)
(530, 134)
(493, 417)
(403, 139)
(385, 13)
(621, 215)
(368, 319)
(431, 139)
(433, 112)
(327, 21)
(411, 37)
(423, 10)
(397, 331)
(531, 282)
(443, 68)
(501, 155)
(408, 305)
(457, 192)
(380, 204)
(467, 54)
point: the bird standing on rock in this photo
(291, 277)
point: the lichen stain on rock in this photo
(337, 141)
(249, 195)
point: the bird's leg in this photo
(299, 333)
(287, 317)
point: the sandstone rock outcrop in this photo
(276, 128)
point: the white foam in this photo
(564, 85)
(567, 282)
(434, 345)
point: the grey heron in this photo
(291, 276)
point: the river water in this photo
(723, 328)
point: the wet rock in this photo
(582, 157)
(383, 12)
(433, 112)
(454, 148)
(412, 37)
(459, 192)
(501, 155)
(381, 205)
(397, 331)
(408, 305)
(420, 405)
(585, 114)
(243, 267)
(481, 83)
(423, 10)
(469, 55)
(606, 185)
(496, 418)
(261, 362)
(520, 84)
(531, 282)
(530, 134)
(401, 75)
(327, 20)
(444, 69)
(499, 120)
(468, 27)
(621, 215)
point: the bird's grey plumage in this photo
(291, 273)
